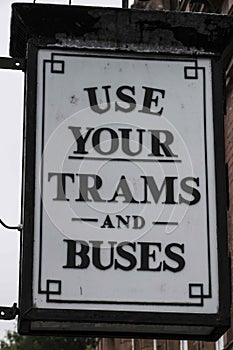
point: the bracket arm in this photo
(12, 63)
(8, 313)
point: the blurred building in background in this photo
(226, 342)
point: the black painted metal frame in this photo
(12, 63)
(49, 321)
(118, 323)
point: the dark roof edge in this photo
(119, 29)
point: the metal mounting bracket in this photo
(125, 4)
(12, 63)
(8, 313)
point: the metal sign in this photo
(126, 191)
(125, 195)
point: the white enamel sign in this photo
(125, 215)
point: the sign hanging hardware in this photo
(9, 313)
(19, 227)
(125, 4)
(6, 312)
(12, 63)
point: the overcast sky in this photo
(11, 103)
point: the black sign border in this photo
(213, 325)
(195, 69)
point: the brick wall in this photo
(153, 4)
(227, 6)
(229, 160)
